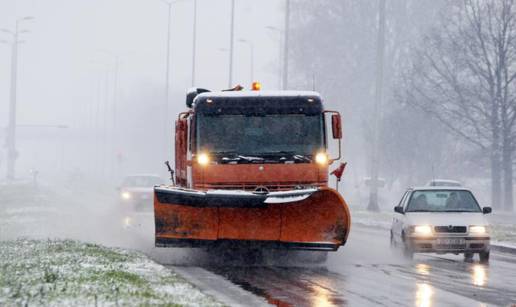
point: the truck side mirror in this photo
(336, 126)
(487, 210)
(399, 209)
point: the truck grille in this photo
(450, 229)
(253, 186)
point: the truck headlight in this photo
(478, 229)
(423, 230)
(203, 159)
(126, 195)
(321, 158)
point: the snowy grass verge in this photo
(70, 273)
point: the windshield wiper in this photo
(233, 156)
(285, 154)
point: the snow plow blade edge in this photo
(299, 219)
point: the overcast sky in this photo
(65, 52)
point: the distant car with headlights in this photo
(444, 183)
(441, 220)
(137, 191)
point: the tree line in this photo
(450, 86)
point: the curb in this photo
(219, 287)
(504, 248)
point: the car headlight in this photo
(126, 195)
(423, 230)
(478, 229)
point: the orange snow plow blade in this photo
(300, 219)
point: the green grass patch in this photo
(72, 273)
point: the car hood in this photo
(445, 218)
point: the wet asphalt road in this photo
(367, 272)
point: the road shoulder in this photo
(218, 287)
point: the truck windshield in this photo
(297, 134)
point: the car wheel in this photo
(484, 257)
(468, 257)
(407, 251)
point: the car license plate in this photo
(451, 241)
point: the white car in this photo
(441, 220)
(137, 192)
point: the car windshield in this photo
(442, 201)
(298, 134)
(142, 181)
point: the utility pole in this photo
(251, 59)
(374, 182)
(166, 110)
(285, 48)
(12, 154)
(231, 43)
(280, 55)
(194, 43)
(167, 76)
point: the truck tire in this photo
(468, 257)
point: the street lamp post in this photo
(11, 129)
(280, 49)
(194, 42)
(374, 182)
(166, 112)
(251, 49)
(112, 145)
(167, 66)
(231, 43)
(285, 48)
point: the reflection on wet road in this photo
(374, 275)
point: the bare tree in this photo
(463, 74)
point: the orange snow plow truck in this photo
(251, 168)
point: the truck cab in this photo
(270, 141)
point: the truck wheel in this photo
(484, 257)
(468, 257)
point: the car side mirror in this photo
(487, 210)
(399, 209)
(336, 126)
